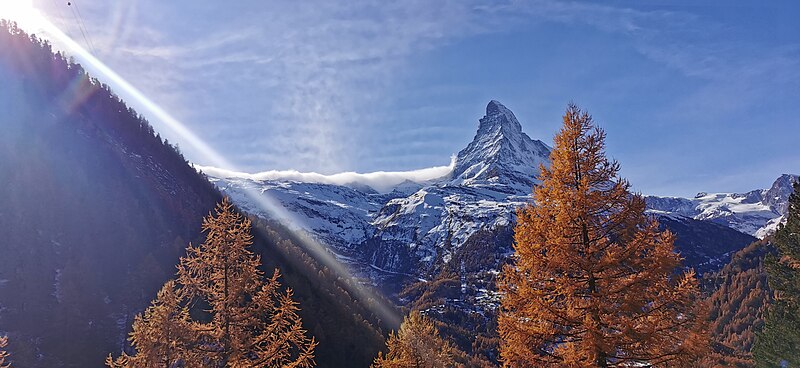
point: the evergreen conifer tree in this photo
(778, 344)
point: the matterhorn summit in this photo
(500, 156)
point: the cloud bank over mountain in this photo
(381, 181)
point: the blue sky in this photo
(694, 97)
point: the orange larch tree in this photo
(594, 283)
(3, 354)
(163, 336)
(417, 344)
(253, 324)
(248, 322)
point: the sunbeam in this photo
(23, 13)
(30, 18)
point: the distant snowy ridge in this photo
(757, 212)
(380, 181)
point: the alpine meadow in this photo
(324, 184)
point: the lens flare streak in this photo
(34, 19)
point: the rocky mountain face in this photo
(757, 212)
(501, 156)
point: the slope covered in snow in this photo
(757, 212)
(337, 215)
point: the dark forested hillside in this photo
(349, 330)
(704, 245)
(96, 210)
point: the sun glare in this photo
(23, 13)
(31, 20)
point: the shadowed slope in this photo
(96, 210)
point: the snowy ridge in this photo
(339, 216)
(757, 212)
(434, 221)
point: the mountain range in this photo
(438, 244)
(414, 227)
(757, 212)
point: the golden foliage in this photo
(251, 322)
(417, 345)
(4, 354)
(737, 307)
(163, 335)
(594, 282)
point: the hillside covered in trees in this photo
(739, 295)
(98, 209)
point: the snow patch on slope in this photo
(336, 215)
(757, 212)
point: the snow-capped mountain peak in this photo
(415, 222)
(501, 155)
(416, 226)
(777, 196)
(757, 212)
(499, 117)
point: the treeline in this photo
(341, 318)
(777, 345)
(739, 296)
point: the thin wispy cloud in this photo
(314, 86)
(320, 69)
